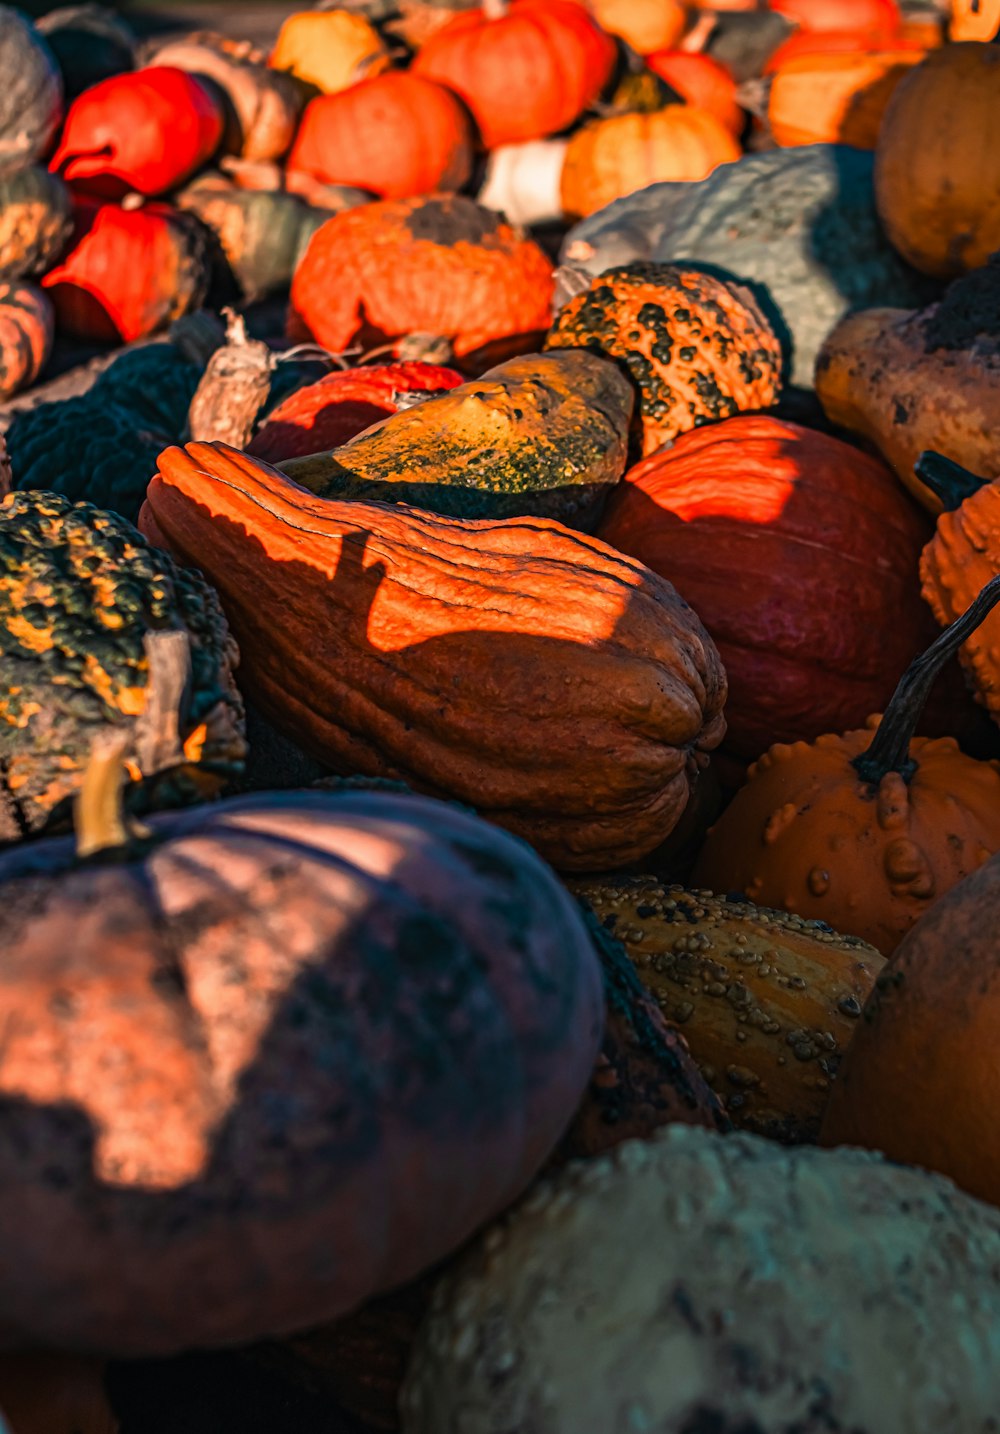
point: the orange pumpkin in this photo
(864, 831)
(526, 68)
(974, 20)
(396, 135)
(836, 98)
(330, 49)
(612, 157)
(871, 17)
(835, 42)
(644, 25)
(26, 331)
(701, 81)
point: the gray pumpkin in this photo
(798, 225)
(31, 97)
(36, 221)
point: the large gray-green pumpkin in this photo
(799, 224)
(31, 95)
(35, 222)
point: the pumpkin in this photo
(330, 49)
(836, 98)
(54, 1394)
(525, 68)
(612, 157)
(697, 348)
(129, 272)
(26, 331)
(35, 222)
(396, 135)
(719, 1283)
(703, 82)
(522, 181)
(868, 829)
(146, 131)
(31, 102)
(937, 171)
(767, 1002)
(81, 595)
(791, 546)
(921, 1080)
(799, 223)
(838, 42)
(336, 408)
(264, 104)
(644, 25)
(872, 17)
(397, 669)
(910, 380)
(961, 558)
(433, 1008)
(544, 435)
(89, 43)
(440, 266)
(974, 20)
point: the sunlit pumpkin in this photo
(837, 42)
(836, 98)
(330, 49)
(701, 81)
(644, 25)
(974, 19)
(873, 17)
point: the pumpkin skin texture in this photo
(937, 173)
(339, 406)
(768, 510)
(836, 99)
(747, 1277)
(129, 272)
(913, 380)
(35, 222)
(921, 1084)
(701, 81)
(79, 591)
(526, 71)
(399, 1009)
(396, 135)
(31, 105)
(800, 223)
(577, 650)
(613, 157)
(331, 49)
(435, 265)
(697, 348)
(26, 331)
(545, 435)
(766, 1002)
(146, 131)
(974, 20)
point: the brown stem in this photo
(233, 388)
(947, 480)
(98, 811)
(889, 750)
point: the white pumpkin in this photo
(522, 181)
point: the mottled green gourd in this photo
(80, 592)
(542, 436)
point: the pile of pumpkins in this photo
(500, 782)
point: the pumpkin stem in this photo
(233, 388)
(947, 480)
(158, 727)
(890, 747)
(98, 810)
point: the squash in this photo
(31, 101)
(431, 1005)
(81, 594)
(937, 172)
(441, 266)
(329, 49)
(974, 20)
(644, 25)
(26, 332)
(339, 406)
(525, 68)
(89, 43)
(609, 158)
(837, 42)
(868, 830)
(701, 81)
(35, 222)
(129, 272)
(836, 98)
(921, 1083)
(54, 1394)
(715, 1283)
(146, 131)
(544, 435)
(767, 1002)
(799, 223)
(909, 380)
(696, 347)
(522, 181)
(264, 104)
(879, 18)
(396, 135)
(791, 546)
(605, 690)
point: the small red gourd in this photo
(867, 830)
(701, 81)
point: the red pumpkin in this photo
(128, 272)
(396, 135)
(835, 42)
(525, 69)
(702, 82)
(875, 17)
(331, 412)
(146, 131)
(799, 554)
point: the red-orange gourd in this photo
(525, 69)
(701, 81)
(867, 830)
(792, 547)
(146, 131)
(871, 17)
(395, 135)
(835, 42)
